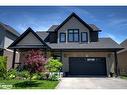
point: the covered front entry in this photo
(89, 66)
(28, 41)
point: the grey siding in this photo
(73, 23)
(9, 39)
(30, 39)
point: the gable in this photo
(74, 23)
(30, 39)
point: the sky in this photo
(112, 20)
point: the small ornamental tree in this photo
(35, 61)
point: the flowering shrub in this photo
(35, 61)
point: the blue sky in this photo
(111, 20)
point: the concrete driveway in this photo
(92, 83)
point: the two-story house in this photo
(7, 36)
(76, 43)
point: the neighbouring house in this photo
(122, 58)
(7, 36)
(77, 45)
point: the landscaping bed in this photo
(37, 72)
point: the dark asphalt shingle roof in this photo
(124, 45)
(103, 43)
(9, 28)
(94, 27)
(42, 34)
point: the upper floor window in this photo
(84, 37)
(62, 37)
(73, 35)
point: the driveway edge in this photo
(58, 84)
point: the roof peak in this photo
(73, 13)
(77, 17)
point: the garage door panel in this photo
(87, 66)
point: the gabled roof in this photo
(123, 44)
(102, 44)
(53, 27)
(24, 34)
(94, 27)
(76, 16)
(9, 29)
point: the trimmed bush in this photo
(53, 65)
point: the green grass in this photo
(26, 84)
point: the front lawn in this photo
(26, 84)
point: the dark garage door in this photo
(87, 66)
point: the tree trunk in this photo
(30, 76)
